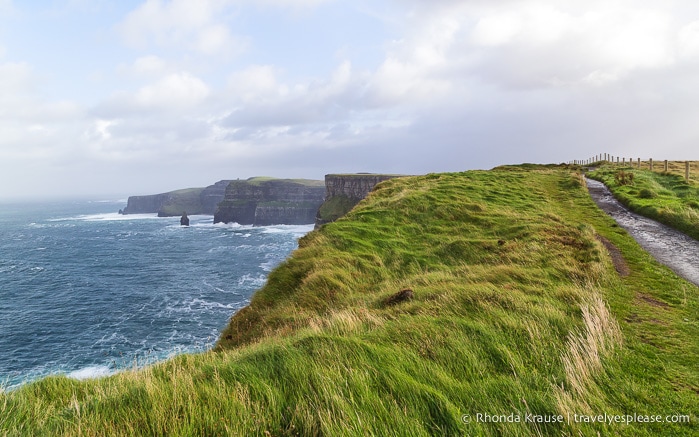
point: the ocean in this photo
(86, 292)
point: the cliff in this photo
(174, 203)
(344, 191)
(145, 204)
(266, 201)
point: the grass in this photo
(663, 196)
(186, 200)
(517, 310)
(335, 207)
(259, 180)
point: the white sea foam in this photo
(255, 281)
(267, 266)
(109, 201)
(91, 372)
(109, 216)
(287, 229)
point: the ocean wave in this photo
(120, 201)
(255, 281)
(199, 305)
(91, 372)
(287, 229)
(104, 217)
(268, 266)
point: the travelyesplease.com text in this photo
(575, 418)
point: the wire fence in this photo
(690, 169)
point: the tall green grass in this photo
(665, 197)
(517, 310)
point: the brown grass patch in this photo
(651, 300)
(583, 358)
(620, 265)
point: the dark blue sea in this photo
(86, 292)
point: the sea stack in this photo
(184, 220)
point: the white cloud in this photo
(196, 26)
(15, 77)
(497, 29)
(20, 99)
(255, 84)
(177, 90)
(146, 66)
(688, 40)
(292, 4)
(173, 93)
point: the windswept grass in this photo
(665, 197)
(517, 312)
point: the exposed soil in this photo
(617, 258)
(652, 301)
(670, 247)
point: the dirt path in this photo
(670, 247)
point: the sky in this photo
(107, 97)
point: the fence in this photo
(616, 160)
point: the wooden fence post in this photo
(639, 163)
(666, 166)
(686, 171)
(651, 164)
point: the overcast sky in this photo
(107, 97)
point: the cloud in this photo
(178, 90)
(261, 99)
(146, 66)
(197, 26)
(530, 44)
(688, 40)
(20, 99)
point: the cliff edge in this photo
(263, 201)
(344, 191)
(174, 203)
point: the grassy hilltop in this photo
(519, 311)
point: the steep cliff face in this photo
(354, 186)
(266, 201)
(344, 191)
(212, 196)
(146, 204)
(174, 203)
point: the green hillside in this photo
(519, 315)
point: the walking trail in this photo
(670, 247)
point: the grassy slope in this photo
(335, 207)
(517, 309)
(259, 180)
(665, 197)
(185, 200)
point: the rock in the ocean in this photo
(184, 220)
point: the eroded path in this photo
(672, 248)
